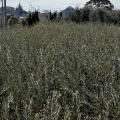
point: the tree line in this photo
(91, 15)
(93, 11)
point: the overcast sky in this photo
(52, 4)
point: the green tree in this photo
(60, 14)
(19, 9)
(52, 16)
(100, 4)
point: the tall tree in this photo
(19, 9)
(5, 17)
(100, 4)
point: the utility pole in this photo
(5, 18)
(31, 8)
(2, 11)
(39, 10)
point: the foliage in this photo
(60, 14)
(23, 22)
(79, 15)
(19, 9)
(29, 19)
(55, 71)
(97, 15)
(52, 16)
(94, 15)
(85, 12)
(100, 4)
(32, 18)
(101, 15)
(14, 21)
(71, 16)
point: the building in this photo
(12, 12)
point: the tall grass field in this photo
(60, 71)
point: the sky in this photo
(53, 5)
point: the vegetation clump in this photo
(94, 15)
(57, 71)
(104, 4)
(32, 18)
(14, 21)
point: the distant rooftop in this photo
(8, 8)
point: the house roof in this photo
(9, 8)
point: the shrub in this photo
(79, 15)
(71, 16)
(112, 17)
(94, 15)
(32, 18)
(53, 16)
(23, 22)
(85, 12)
(97, 15)
(13, 21)
(29, 20)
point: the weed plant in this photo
(60, 71)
